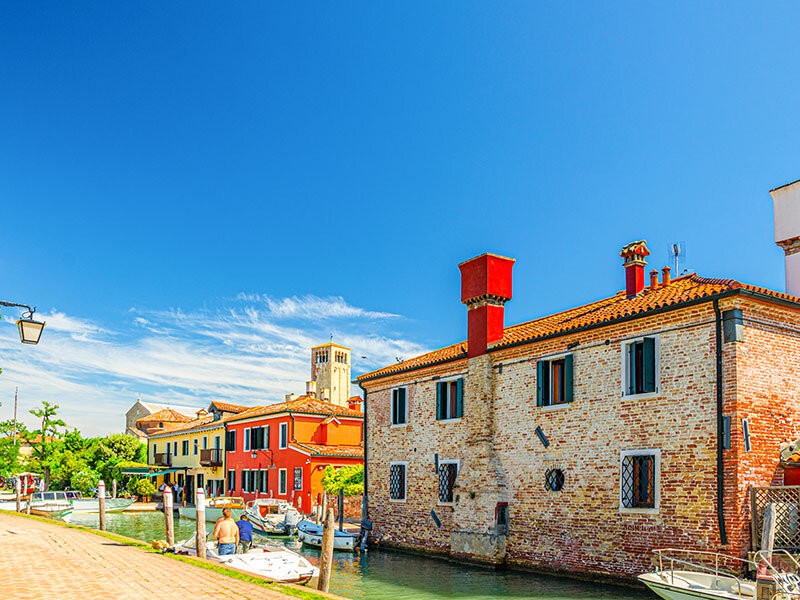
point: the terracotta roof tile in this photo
(306, 404)
(167, 415)
(225, 407)
(323, 450)
(681, 289)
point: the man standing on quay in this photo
(226, 533)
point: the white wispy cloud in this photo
(250, 350)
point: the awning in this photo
(143, 473)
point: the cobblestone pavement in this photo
(44, 561)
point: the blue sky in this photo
(195, 193)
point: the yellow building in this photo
(193, 452)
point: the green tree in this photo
(145, 487)
(42, 440)
(9, 457)
(84, 480)
(349, 479)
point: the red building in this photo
(281, 450)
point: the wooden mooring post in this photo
(340, 509)
(18, 486)
(200, 514)
(113, 488)
(324, 508)
(326, 556)
(101, 499)
(169, 531)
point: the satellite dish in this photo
(677, 254)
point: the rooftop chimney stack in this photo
(485, 288)
(665, 276)
(654, 279)
(634, 255)
(311, 389)
(786, 203)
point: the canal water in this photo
(385, 575)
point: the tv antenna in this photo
(677, 253)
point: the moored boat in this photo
(272, 518)
(214, 508)
(270, 561)
(310, 533)
(47, 504)
(703, 575)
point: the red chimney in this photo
(634, 255)
(485, 288)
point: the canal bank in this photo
(42, 559)
(389, 575)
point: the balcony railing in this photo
(163, 460)
(211, 457)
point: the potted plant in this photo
(145, 488)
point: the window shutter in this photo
(540, 383)
(459, 398)
(401, 405)
(649, 364)
(439, 399)
(568, 378)
(631, 350)
(394, 406)
(266, 440)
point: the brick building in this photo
(580, 441)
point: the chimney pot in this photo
(653, 279)
(665, 279)
(634, 255)
(485, 288)
(290, 397)
(311, 388)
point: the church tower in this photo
(330, 369)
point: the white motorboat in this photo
(270, 517)
(214, 508)
(310, 533)
(92, 505)
(47, 504)
(694, 574)
(265, 560)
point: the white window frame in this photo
(228, 482)
(657, 367)
(175, 448)
(245, 480)
(246, 445)
(282, 492)
(463, 404)
(449, 461)
(283, 436)
(195, 446)
(216, 442)
(657, 475)
(205, 442)
(549, 361)
(405, 481)
(391, 410)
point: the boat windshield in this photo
(49, 495)
(781, 567)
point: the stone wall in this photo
(581, 528)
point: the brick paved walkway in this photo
(43, 561)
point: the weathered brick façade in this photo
(582, 528)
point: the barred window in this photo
(298, 478)
(638, 480)
(554, 480)
(397, 481)
(447, 479)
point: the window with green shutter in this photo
(554, 381)
(641, 366)
(450, 399)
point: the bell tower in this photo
(330, 369)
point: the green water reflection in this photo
(382, 575)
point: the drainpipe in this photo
(364, 508)
(723, 536)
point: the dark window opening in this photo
(399, 406)
(450, 399)
(397, 482)
(639, 481)
(554, 480)
(447, 480)
(554, 381)
(641, 366)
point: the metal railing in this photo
(702, 568)
(163, 460)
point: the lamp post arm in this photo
(17, 305)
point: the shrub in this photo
(349, 479)
(145, 487)
(84, 480)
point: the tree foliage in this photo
(349, 479)
(145, 487)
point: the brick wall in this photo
(581, 529)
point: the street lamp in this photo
(29, 330)
(254, 455)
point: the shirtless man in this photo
(226, 532)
